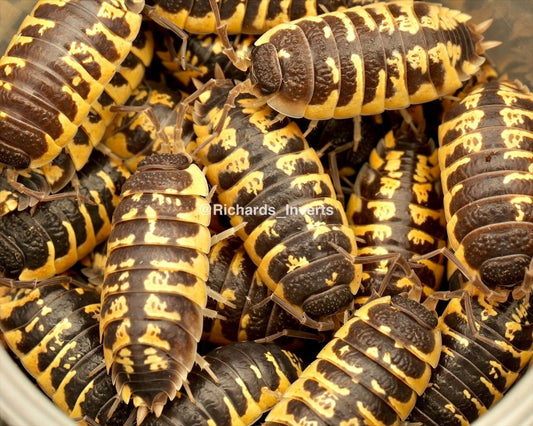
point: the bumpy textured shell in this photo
(54, 70)
(365, 59)
(472, 375)
(154, 288)
(233, 274)
(60, 232)
(370, 372)
(486, 159)
(53, 331)
(242, 16)
(251, 376)
(396, 207)
(268, 177)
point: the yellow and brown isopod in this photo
(55, 68)
(154, 290)
(38, 243)
(251, 379)
(396, 207)
(486, 162)
(366, 59)
(269, 179)
(371, 372)
(472, 375)
(242, 16)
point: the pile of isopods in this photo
(269, 212)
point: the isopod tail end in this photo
(482, 26)
(489, 44)
(158, 404)
(142, 412)
(478, 30)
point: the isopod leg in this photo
(474, 279)
(149, 11)
(222, 31)
(41, 196)
(35, 283)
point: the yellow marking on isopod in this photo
(382, 210)
(400, 95)
(252, 185)
(122, 339)
(283, 380)
(511, 328)
(471, 101)
(288, 163)
(416, 57)
(156, 363)
(353, 108)
(405, 24)
(228, 294)
(152, 337)
(419, 237)
(513, 177)
(294, 262)
(253, 410)
(157, 307)
(373, 353)
(513, 117)
(237, 264)
(466, 122)
(283, 54)
(29, 327)
(514, 138)
(126, 241)
(126, 263)
(422, 191)
(388, 186)
(420, 214)
(517, 204)
(117, 309)
(227, 138)
(511, 96)
(10, 64)
(366, 414)
(425, 172)
(236, 162)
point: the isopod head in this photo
(266, 69)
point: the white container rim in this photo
(22, 403)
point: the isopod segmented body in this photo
(242, 17)
(101, 114)
(472, 375)
(349, 140)
(370, 372)
(53, 331)
(251, 377)
(62, 231)
(365, 59)
(268, 177)
(55, 68)
(154, 290)
(486, 161)
(233, 274)
(396, 207)
(63, 353)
